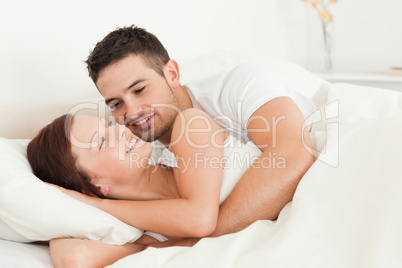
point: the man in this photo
(141, 85)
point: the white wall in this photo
(366, 34)
(43, 43)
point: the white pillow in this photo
(31, 210)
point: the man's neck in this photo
(183, 98)
(184, 102)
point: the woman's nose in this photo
(118, 132)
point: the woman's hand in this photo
(76, 253)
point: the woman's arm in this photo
(76, 253)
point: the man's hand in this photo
(184, 242)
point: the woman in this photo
(109, 161)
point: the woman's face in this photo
(110, 154)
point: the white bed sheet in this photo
(20, 255)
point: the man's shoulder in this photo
(234, 77)
(233, 83)
(246, 67)
(243, 71)
(237, 70)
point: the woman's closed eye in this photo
(102, 142)
(103, 139)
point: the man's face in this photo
(139, 98)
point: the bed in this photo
(345, 212)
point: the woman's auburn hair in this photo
(52, 161)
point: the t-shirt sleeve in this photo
(249, 86)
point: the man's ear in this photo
(172, 73)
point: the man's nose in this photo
(133, 109)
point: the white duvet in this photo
(346, 211)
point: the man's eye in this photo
(102, 142)
(110, 123)
(139, 90)
(113, 106)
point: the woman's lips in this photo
(131, 144)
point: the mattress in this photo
(20, 255)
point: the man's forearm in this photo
(278, 129)
(262, 192)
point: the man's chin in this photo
(147, 136)
(148, 139)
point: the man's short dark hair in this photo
(123, 42)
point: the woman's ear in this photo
(172, 73)
(102, 188)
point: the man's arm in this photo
(277, 128)
(263, 191)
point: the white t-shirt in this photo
(231, 97)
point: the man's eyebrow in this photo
(135, 83)
(107, 101)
